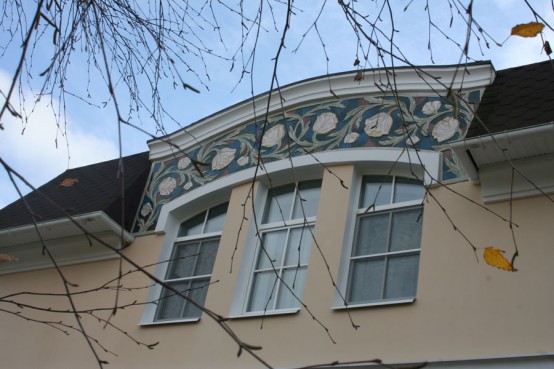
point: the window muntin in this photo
(190, 266)
(281, 262)
(384, 261)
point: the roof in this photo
(83, 190)
(518, 98)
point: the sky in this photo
(46, 144)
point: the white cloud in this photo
(34, 154)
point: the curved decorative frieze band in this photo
(425, 123)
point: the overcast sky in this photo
(43, 151)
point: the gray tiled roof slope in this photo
(98, 189)
(519, 97)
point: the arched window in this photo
(190, 267)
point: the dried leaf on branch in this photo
(495, 258)
(528, 29)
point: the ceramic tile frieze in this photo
(426, 123)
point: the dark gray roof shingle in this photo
(519, 97)
(98, 188)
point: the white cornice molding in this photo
(409, 81)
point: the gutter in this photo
(28, 232)
(67, 243)
(463, 148)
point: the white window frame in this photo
(306, 224)
(151, 309)
(341, 297)
(196, 238)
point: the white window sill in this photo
(255, 314)
(376, 303)
(174, 321)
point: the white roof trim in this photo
(27, 233)
(64, 239)
(498, 143)
(408, 81)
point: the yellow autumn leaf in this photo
(495, 258)
(6, 257)
(68, 182)
(528, 29)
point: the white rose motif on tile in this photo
(223, 158)
(187, 186)
(431, 107)
(242, 161)
(167, 186)
(146, 209)
(351, 137)
(414, 139)
(445, 129)
(183, 162)
(378, 125)
(273, 136)
(325, 123)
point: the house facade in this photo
(334, 221)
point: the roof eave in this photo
(83, 238)
(501, 147)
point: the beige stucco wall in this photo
(464, 308)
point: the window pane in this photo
(206, 257)
(366, 280)
(189, 260)
(309, 193)
(279, 204)
(408, 189)
(299, 246)
(216, 218)
(402, 276)
(273, 247)
(294, 279)
(192, 226)
(263, 291)
(170, 305)
(372, 235)
(406, 230)
(183, 260)
(376, 190)
(197, 292)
